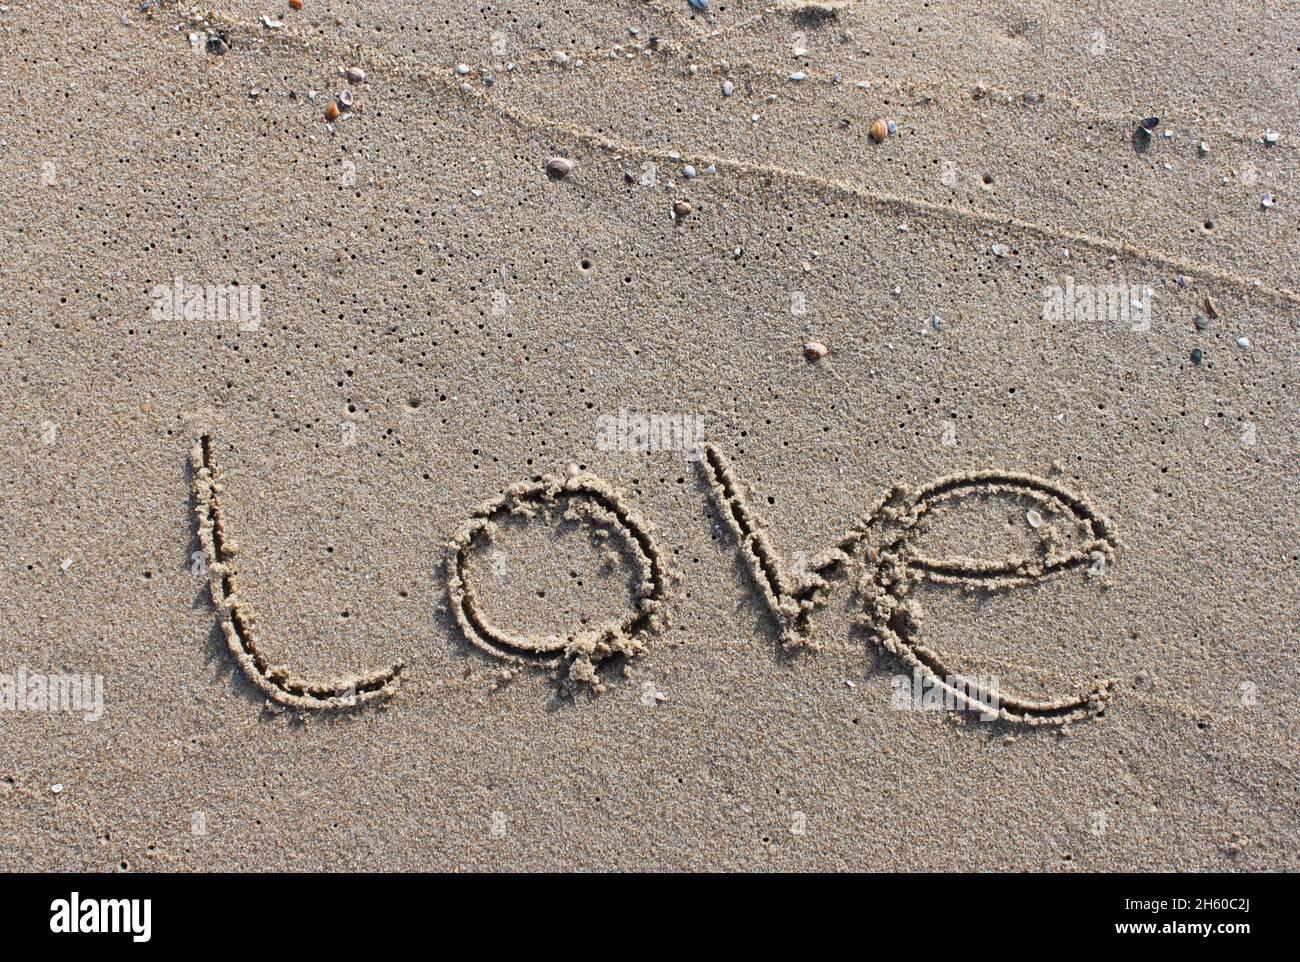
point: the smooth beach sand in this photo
(1008, 283)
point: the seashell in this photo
(558, 167)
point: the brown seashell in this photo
(879, 130)
(815, 350)
(682, 209)
(559, 167)
(332, 112)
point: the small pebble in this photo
(295, 4)
(1000, 250)
(700, 5)
(1202, 322)
(815, 350)
(65, 564)
(56, 788)
(682, 209)
(798, 75)
(1197, 356)
(728, 88)
(559, 167)
(1183, 281)
(1202, 148)
(936, 321)
(270, 24)
(356, 75)
(879, 130)
(462, 69)
(891, 127)
(217, 46)
(1243, 342)
(1149, 124)
(689, 171)
(1270, 138)
(332, 112)
(1266, 201)
(465, 88)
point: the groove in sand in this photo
(892, 570)
(239, 622)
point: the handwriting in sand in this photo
(880, 546)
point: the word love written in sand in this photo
(881, 545)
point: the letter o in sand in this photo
(584, 497)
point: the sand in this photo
(1007, 470)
